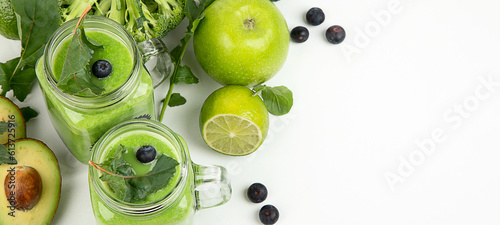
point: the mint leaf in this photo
(37, 20)
(126, 185)
(5, 157)
(278, 100)
(184, 74)
(75, 77)
(28, 113)
(176, 100)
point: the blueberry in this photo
(315, 16)
(257, 193)
(101, 68)
(269, 214)
(299, 34)
(146, 154)
(335, 34)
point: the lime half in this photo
(232, 135)
(233, 121)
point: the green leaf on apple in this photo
(278, 100)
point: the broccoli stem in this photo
(117, 11)
(76, 8)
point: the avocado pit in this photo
(23, 187)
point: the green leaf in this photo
(75, 77)
(28, 113)
(184, 74)
(193, 10)
(22, 82)
(6, 71)
(5, 157)
(176, 100)
(278, 100)
(4, 126)
(38, 20)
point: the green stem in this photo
(172, 79)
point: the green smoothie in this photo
(81, 120)
(114, 51)
(178, 212)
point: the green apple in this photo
(243, 42)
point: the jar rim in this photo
(140, 208)
(106, 99)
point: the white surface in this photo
(356, 118)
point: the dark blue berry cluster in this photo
(268, 214)
(315, 16)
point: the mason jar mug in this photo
(191, 187)
(80, 119)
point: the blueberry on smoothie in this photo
(146, 154)
(257, 193)
(102, 68)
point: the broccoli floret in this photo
(144, 19)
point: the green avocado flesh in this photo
(33, 153)
(10, 114)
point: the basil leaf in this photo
(278, 100)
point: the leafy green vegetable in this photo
(194, 12)
(5, 157)
(278, 100)
(144, 19)
(28, 113)
(37, 20)
(75, 77)
(176, 100)
(4, 126)
(126, 185)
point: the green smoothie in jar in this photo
(121, 194)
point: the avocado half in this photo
(10, 113)
(35, 154)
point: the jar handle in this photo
(155, 50)
(212, 186)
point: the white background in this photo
(408, 71)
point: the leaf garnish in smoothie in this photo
(75, 76)
(128, 186)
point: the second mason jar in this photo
(80, 119)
